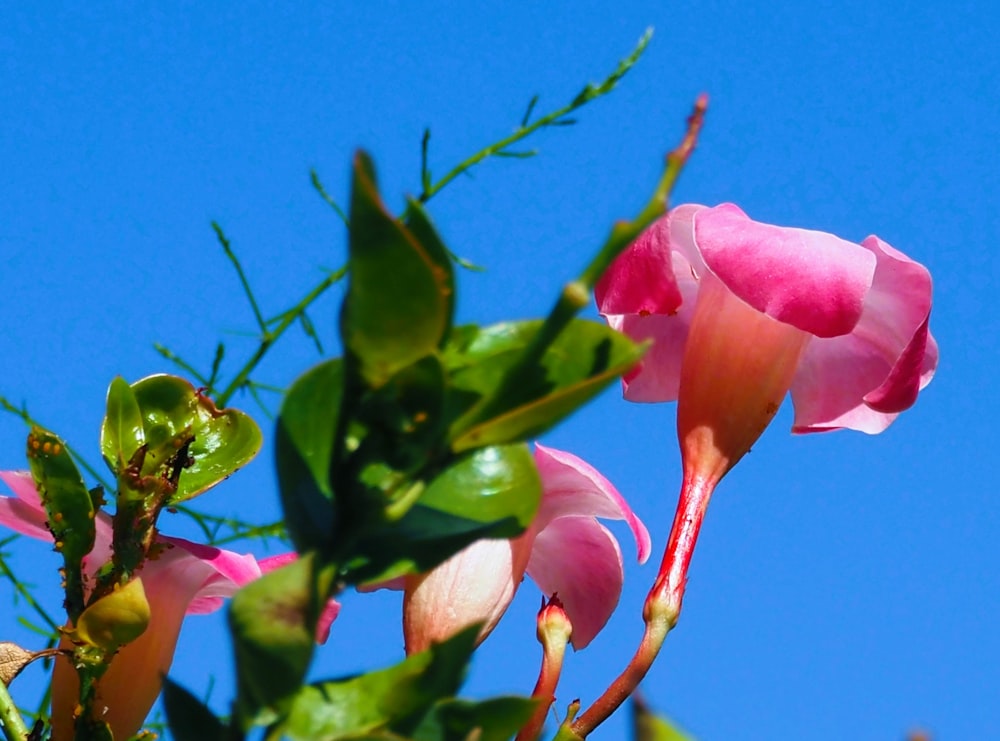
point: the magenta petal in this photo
(577, 559)
(639, 280)
(572, 487)
(23, 513)
(657, 376)
(863, 380)
(812, 280)
(26, 515)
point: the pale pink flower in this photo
(184, 579)
(566, 551)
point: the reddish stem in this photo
(663, 604)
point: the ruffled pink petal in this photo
(864, 380)
(212, 574)
(812, 280)
(572, 487)
(636, 282)
(577, 559)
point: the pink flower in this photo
(566, 551)
(185, 579)
(741, 313)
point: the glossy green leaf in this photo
(403, 420)
(122, 432)
(304, 445)
(650, 727)
(394, 699)
(489, 493)
(68, 506)
(398, 303)
(188, 718)
(273, 624)
(419, 225)
(582, 361)
(177, 419)
(497, 719)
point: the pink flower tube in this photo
(566, 551)
(185, 579)
(740, 313)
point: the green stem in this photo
(271, 336)
(576, 295)
(556, 118)
(224, 241)
(14, 728)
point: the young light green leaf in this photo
(187, 438)
(122, 432)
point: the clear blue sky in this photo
(846, 586)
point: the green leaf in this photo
(394, 699)
(492, 492)
(650, 727)
(304, 446)
(583, 360)
(176, 418)
(122, 432)
(69, 508)
(401, 424)
(399, 298)
(418, 222)
(497, 719)
(188, 718)
(273, 624)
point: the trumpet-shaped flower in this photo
(185, 578)
(741, 313)
(566, 551)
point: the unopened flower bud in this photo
(554, 626)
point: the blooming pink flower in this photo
(185, 579)
(741, 313)
(566, 551)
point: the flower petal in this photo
(812, 280)
(636, 283)
(23, 513)
(209, 573)
(572, 487)
(26, 515)
(657, 376)
(578, 559)
(475, 585)
(864, 380)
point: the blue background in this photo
(846, 586)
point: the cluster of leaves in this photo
(390, 459)
(398, 455)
